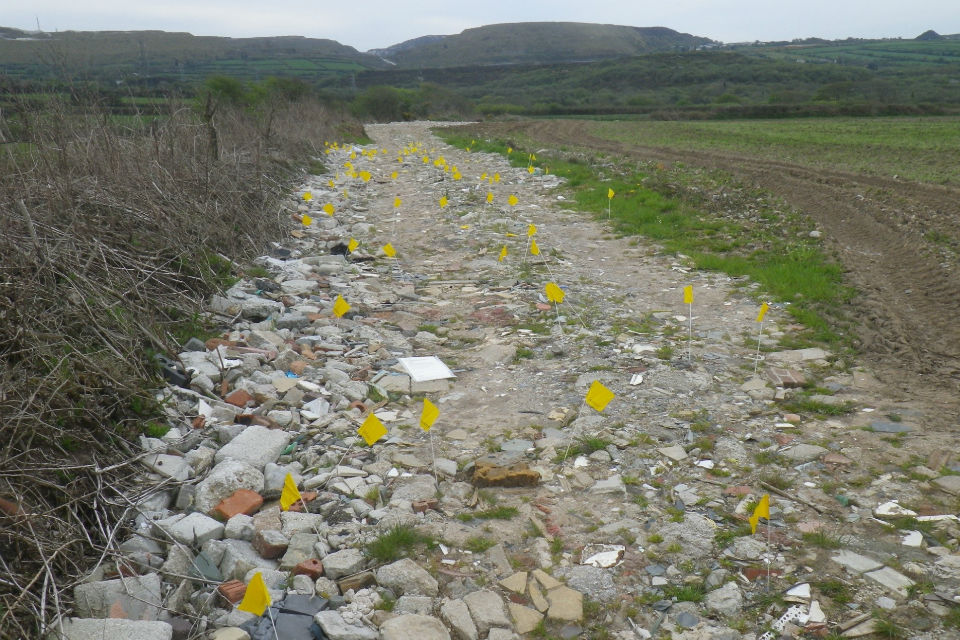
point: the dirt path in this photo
(909, 292)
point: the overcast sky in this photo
(368, 24)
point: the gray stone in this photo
(797, 355)
(613, 484)
(674, 452)
(336, 628)
(406, 577)
(326, 588)
(256, 446)
(138, 597)
(239, 557)
(502, 634)
(239, 527)
(892, 580)
(855, 561)
(193, 529)
(686, 620)
(727, 600)
(516, 445)
(883, 426)
(343, 563)
(746, 548)
(804, 452)
(413, 627)
(950, 484)
(456, 614)
(419, 487)
(487, 611)
(595, 583)
(695, 534)
(174, 467)
(223, 481)
(497, 353)
(97, 629)
(421, 605)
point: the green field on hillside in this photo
(922, 149)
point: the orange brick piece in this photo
(239, 398)
(312, 568)
(232, 591)
(242, 501)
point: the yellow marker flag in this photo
(483, 176)
(512, 200)
(397, 202)
(340, 307)
(443, 201)
(530, 169)
(307, 196)
(496, 177)
(426, 160)
(328, 209)
(371, 430)
(688, 294)
(365, 176)
(353, 155)
(503, 254)
(456, 175)
(389, 250)
(429, 415)
(598, 397)
(610, 194)
(534, 249)
(531, 230)
(352, 245)
(331, 183)
(348, 165)
(464, 226)
(393, 175)
(763, 311)
(762, 510)
(489, 197)
(554, 293)
(256, 599)
(510, 235)
(509, 149)
(306, 220)
(290, 493)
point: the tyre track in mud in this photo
(907, 311)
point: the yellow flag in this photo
(503, 254)
(464, 226)
(534, 249)
(531, 230)
(762, 510)
(763, 311)
(340, 307)
(353, 155)
(496, 177)
(688, 294)
(257, 598)
(331, 183)
(290, 493)
(610, 194)
(371, 430)
(393, 175)
(307, 196)
(489, 197)
(426, 160)
(554, 293)
(509, 149)
(389, 250)
(306, 220)
(328, 209)
(365, 176)
(352, 245)
(429, 415)
(483, 176)
(598, 397)
(443, 201)
(456, 175)
(397, 202)
(530, 169)
(512, 200)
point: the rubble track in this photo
(908, 291)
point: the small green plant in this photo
(887, 628)
(399, 542)
(777, 480)
(822, 539)
(684, 593)
(655, 538)
(836, 590)
(523, 353)
(496, 513)
(674, 547)
(479, 544)
(665, 352)
(155, 430)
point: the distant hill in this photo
(537, 42)
(175, 57)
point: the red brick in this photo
(199, 422)
(312, 568)
(784, 438)
(786, 378)
(421, 506)
(239, 398)
(232, 591)
(305, 497)
(242, 501)
(739, 490)
(267, 547)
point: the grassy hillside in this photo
(175, 57)
(538, 42)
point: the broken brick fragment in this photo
(421, 506)
(239, 398)
(311, 568)
(232, 591)
(240, 501)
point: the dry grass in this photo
(111, 236)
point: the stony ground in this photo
(524, 512)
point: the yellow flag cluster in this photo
(762, 510)
(371, 430)
(598, 397)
